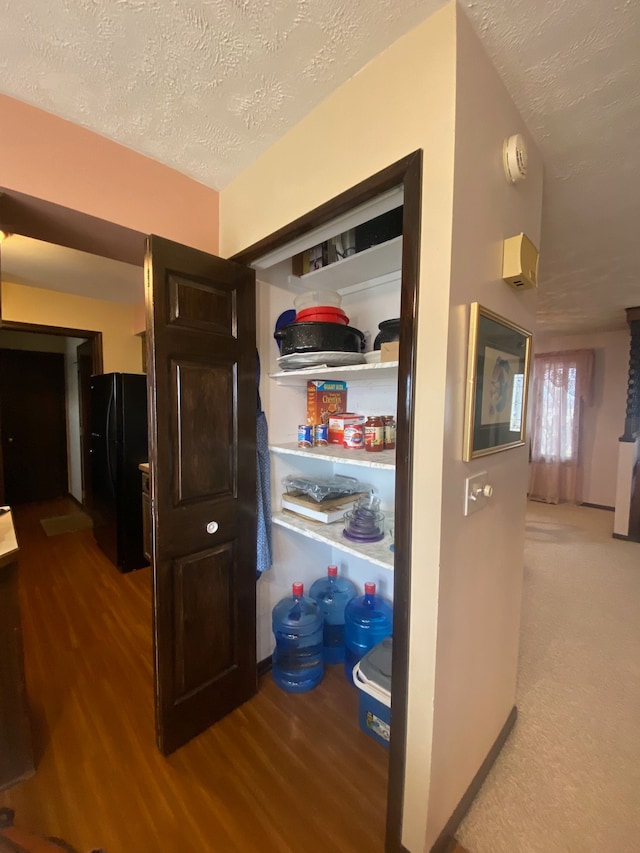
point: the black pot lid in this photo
(389, 324)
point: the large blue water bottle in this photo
(332, 594)
(368, 619)
(297, 627)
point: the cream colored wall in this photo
(481, 555)
(53, 159)
(74, 446)
(122, 352)
(402, 101)
(603, 422)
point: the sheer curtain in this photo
(562, 386)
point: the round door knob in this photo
(481, 492)
(212, 527)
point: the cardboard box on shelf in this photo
(390, 351)
(325, 398)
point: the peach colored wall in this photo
(122, 351)
(402, 101)
(603, 422)
(53, 159)
(481, 558)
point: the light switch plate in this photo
(474, 497)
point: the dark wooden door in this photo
(34, 425)
(85, 370)
(201, 364)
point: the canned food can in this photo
(354, 436)
(305, 435)
(321, 434)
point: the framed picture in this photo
(497, 383)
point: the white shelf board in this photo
(380, 371)
(358, 272)
(377, 553)
(382, 459)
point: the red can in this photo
(354, 436)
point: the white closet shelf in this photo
(381, 371)
(378, 553)
(361, 271)
(383, 459)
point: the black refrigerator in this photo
(118, 446)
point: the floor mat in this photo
(57, 524)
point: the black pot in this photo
(319, 337)
(389, 331)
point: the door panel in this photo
(34, 425)
(196, 305)
(204, 582)
(202, 429)
(206, 467)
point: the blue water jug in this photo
(332, 594)
(297, 627)
(368, 619)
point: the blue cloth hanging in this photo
(264, 555)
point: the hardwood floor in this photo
(284, 773)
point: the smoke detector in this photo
(514, 158)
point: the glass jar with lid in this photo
(389, 423)
(374, 434)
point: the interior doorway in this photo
(43, 443)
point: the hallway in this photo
(568, 777)
(288, 774)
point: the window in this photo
(555, 434)
(561, 387)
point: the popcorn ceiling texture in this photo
(205, 86)
(573, 70)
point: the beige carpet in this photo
(56, 524)
(568, 778)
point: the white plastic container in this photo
(317, 297)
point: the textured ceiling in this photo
(573, 69)
(205, 86)
(202, 85)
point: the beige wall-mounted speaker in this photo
(520, 262)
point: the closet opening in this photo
(347, 254)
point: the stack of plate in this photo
(297, 360)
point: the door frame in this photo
(59, 331)
(407, 173)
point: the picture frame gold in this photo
(498, 368)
